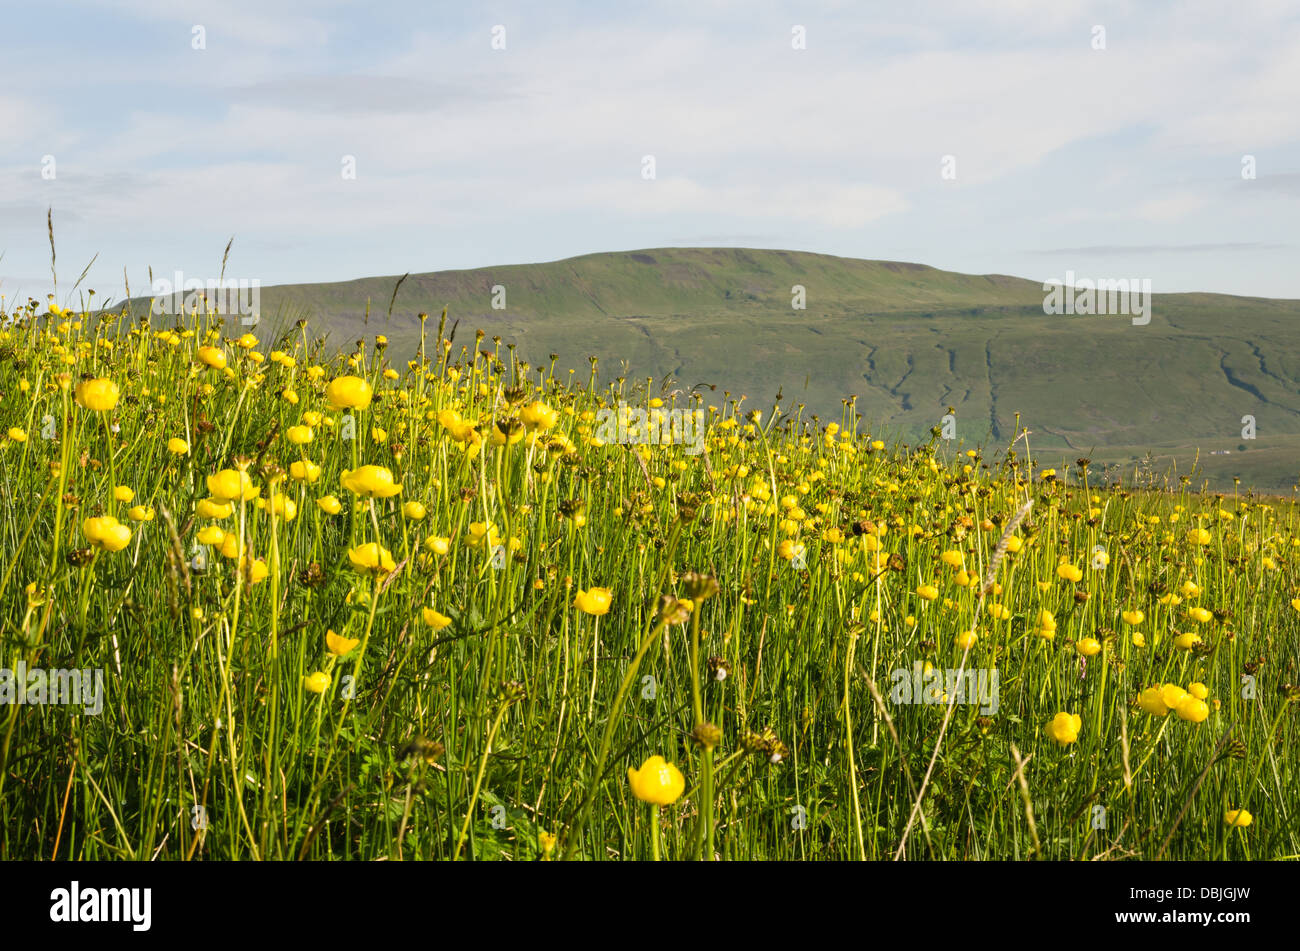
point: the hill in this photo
(907, 340)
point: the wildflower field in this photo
(348, 606)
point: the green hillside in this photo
(908, 340)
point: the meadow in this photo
(354, 608)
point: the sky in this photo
(1146, 140)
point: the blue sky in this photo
(1117, 162)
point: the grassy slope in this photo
(906, 339)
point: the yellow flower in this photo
(1069, 572)
(123, 493)
(371, 482)
(965, 640)
(214, 357)
(348, 392)
(211, 535)
(1088, 646)
(339, 645)
(318, 682)
(213, 508)
(1198, 536)
(594, 601)
(99, 394)
(1238, 818)
(229, 485)
(106, 533)
(1187, 640)
(438, 544)
(657, 781)
(329, 504)
(371, 558)
(1064, 728)
(1198, 690)
(1133, 617)
(1172, 695)
(1190, 708)
(1199, 615)
(415, 511)
(789, 549)
(254, 572)
(435, 620)
(1046, 625)
(141, 513)
(177, 446)
(299, 435)
(928, 592)
(17, 435)
(1152, 701)
(538, 415)
(304, 470)
(952, 558)
(1137, 639)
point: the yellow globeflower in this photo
(106, 533)
(1134, 617)
(371, 482)
(1190, 708)
(177, 446)
(229, 485)
(594, 601)
(371, 558)
(415, 511)
(99, 394)
(1046, 625)
(1064, 728)
(952, 558)
(1069, 572)
(318, 682)
(339, 645)
(1088, 646)
(1238, 818)
(213, 508)
(1199, 615)
(1152, 701)
(1198, 536)
(329, 504)
(348, 392)
(17, 435)
(438, 544)
(304, 470)
(657, 782)
(211, 535)
(1173, 695)
(123, 493)
(1198, 690)
(214, 357)
(299, 435)
(538, 415)
(928, 592)
(789, 549)
(141, 513)
(434, 619)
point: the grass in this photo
(481, 706)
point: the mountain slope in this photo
(908, 340)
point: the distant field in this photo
(908, 341)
